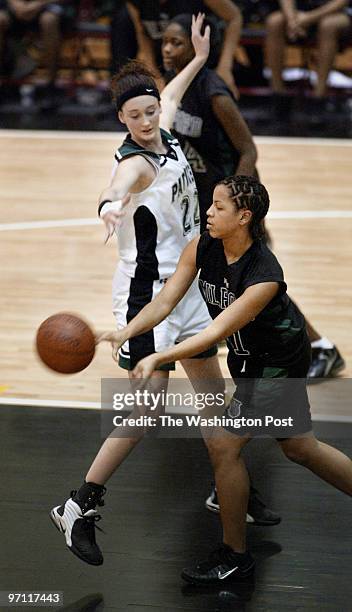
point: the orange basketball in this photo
(65, 343)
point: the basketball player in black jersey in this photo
(217, 143)
(243, 285)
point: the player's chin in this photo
(212, 231)
(148, 134)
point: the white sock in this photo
(323, 343)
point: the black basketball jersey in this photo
(204, 141)
(277, 331)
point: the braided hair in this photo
(247, 192)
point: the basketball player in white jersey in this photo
(152, 203)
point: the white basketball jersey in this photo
(162, 219)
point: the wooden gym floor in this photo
(52, 258)
(52, 255)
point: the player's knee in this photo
(275, 22)
(221, 451)
(297, 451)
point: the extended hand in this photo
(145, 368)
(112, 218)
(201, 43)
(115, 338)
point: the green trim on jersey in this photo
(129, 147)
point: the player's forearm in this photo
(188, 348)
(246, 164)
(121, 185)
(175, 89)
(151, 315)
(231, 40)
(113, 194)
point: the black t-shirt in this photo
(277, 331)
(205, 143)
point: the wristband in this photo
(107, 205)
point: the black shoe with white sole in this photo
(222, 564)
(325, 364)
(77, 521)
(257, 512)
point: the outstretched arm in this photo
(132, 175)
(174, 91)
(232, 319)
(157, 310)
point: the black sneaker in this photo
(222, 564)
(257, 513)
(78, 525)
(325, 364)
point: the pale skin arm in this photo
(232, 319)
(132, 175)
(174, 91)
(157, 310)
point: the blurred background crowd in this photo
(277, 57)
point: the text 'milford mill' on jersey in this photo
(161, 220)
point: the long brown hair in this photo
(131, 75)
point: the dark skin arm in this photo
(237, 130)
(145, 44)
(230, 13)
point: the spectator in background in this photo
(297, 21)
(137, 28)
(17, 17)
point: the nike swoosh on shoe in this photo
(222, 576)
